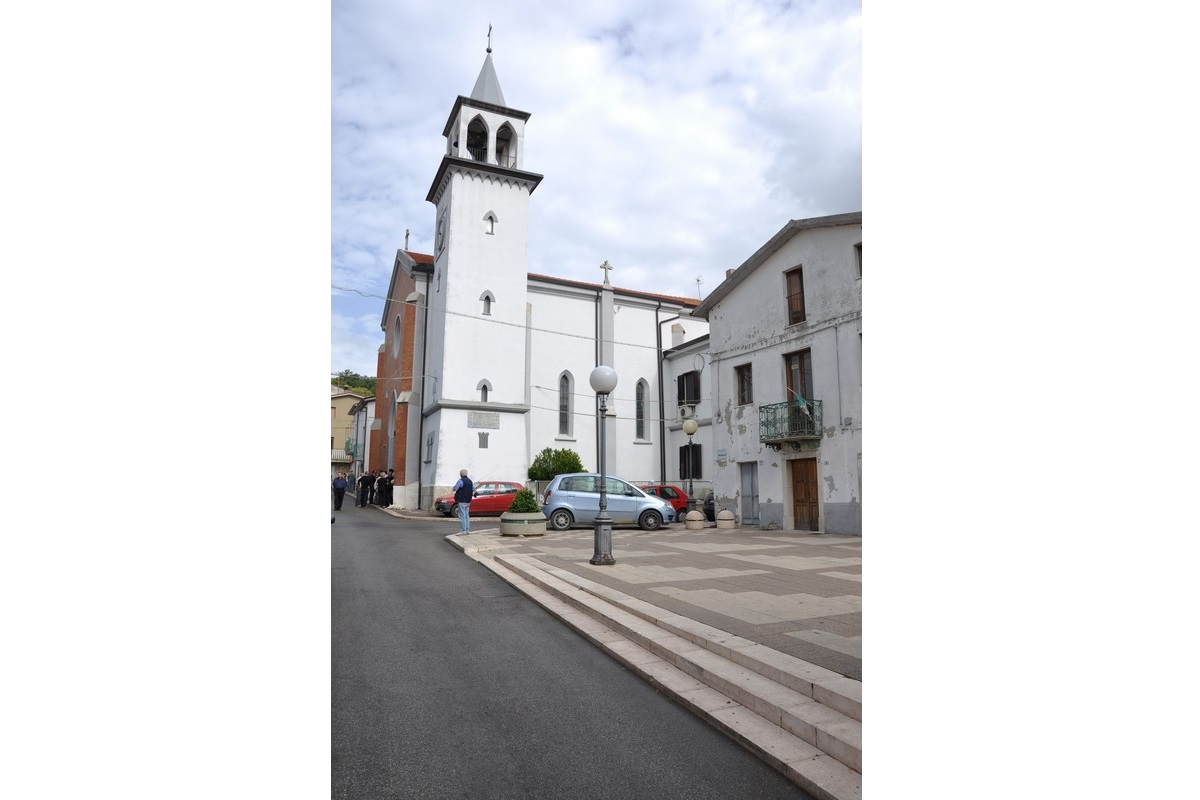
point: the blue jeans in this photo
(464, 517)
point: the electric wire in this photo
(477, 318)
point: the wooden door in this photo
(806, 510)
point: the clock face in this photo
(441, 233)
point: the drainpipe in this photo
(599, 332)
(837, 358)
(421, 409)
(662, 409)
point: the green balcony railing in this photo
(790, 422)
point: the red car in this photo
(491, 497)
(672, 494)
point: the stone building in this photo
(785, 380)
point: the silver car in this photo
(574, 499)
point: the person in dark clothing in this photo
(364, 488)
(464, 490)
(380, 489)
(339, 490)
(391, 485)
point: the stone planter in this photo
(514, 523)
(726, 520)
(694, 521)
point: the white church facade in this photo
(484, 364)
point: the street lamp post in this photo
(603, 380)
(689, 427)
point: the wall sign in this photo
(483, 419)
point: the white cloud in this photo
(675, 138)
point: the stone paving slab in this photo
(796, 592)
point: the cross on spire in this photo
(606, 267)
(489, 38)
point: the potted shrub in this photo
(524, 517)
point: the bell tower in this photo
(476, 337)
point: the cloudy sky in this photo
(1029, 181)
(675, 137)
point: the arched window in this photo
(564, 404)
(640, 409)
(489, 223)
(485, 388)
(477, 140)
(487, 298)
(506, 147)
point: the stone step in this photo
(816, 746)
(795, 710)
(825, 686)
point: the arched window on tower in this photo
(487, 298)
(477, 139)
(506, 146)
(485, 388)
(489, 223)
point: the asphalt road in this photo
(448, 683)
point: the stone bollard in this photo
(695, 521)
(725, 519)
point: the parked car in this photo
(574, 499)
(672, 494)
(491, 497)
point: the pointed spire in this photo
(487, 85)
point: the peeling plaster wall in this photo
(749, 326)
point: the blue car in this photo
(574, 499)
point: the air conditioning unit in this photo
(687, 412)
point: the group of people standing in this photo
(374, 488)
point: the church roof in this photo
(683, 301)
(425, 259)
(487, 85)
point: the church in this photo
(485, 364)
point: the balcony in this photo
(792, 423)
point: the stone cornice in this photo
(467, 166)
(475, 405)
(790, 335)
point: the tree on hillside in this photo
(353, 382)
(550, 463)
